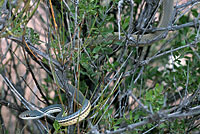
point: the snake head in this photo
(29, 115)
(25, 115)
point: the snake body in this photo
(82, 113)
(144, 40)
(62, 120)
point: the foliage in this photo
(131, 88)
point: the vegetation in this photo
(132, 89)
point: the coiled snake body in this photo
(62, 120)
(82, 113)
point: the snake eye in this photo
(24, 115)
(27, 115)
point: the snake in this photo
(66, 120)
(62, 120)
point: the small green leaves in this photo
(56, 126)
(33, 36)
(154, 97)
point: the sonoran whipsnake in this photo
(62, 120)
(86, 106)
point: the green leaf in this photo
(56, 126)
(194, 12)
(131, 115)
(126, 23)
(119, 121)
(96, 49)
(136, 117)
(149, 95)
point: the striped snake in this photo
(66, 120)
